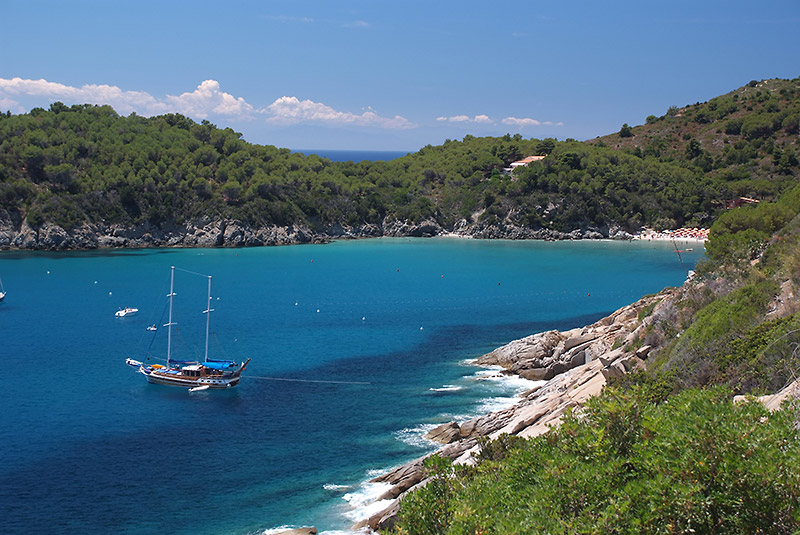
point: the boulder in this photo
(537, 346)
(537, 374)
(643, 352)
(299, 531)
(445, 433)
(613, 371)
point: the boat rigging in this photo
(191, 374)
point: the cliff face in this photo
(16, 233)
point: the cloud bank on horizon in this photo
(208, 99)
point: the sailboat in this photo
(2, 290)
(191, 374)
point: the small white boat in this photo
(152, 327)
(2, 290)
(127, 311)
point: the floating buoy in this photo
(363, 318)
(317, 310)
(588, 295)
(420, 328)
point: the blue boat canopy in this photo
(219, 364)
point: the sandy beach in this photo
(685, 234)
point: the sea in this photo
(358, 348)
(354, 155)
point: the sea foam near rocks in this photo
(364, 501)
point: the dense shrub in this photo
(695, 464)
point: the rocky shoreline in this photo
(576, 365)
(17, 233)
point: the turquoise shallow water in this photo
(386, 325)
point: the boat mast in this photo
(208, 312)
(170, 324)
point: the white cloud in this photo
(527, 121)
(206, 100)
(482, 119)
(514, 121)
(122, 101)
(10, 105)
(291, 110)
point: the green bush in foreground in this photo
(696, 463)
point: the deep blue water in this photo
(90, 447)
(355, 155)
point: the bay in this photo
(358, 348)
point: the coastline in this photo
(569, 367)
(17, 234)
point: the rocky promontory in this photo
(576, 365)
(571, 367)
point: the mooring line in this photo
(308, 380)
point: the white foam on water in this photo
(508, 388)
(281, 529)
(364, 501)
(375, 472)
(336, 488)
(447, 388)
(415, 436)
(272, 531)
(485, 406)
(488, 371)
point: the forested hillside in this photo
(79, 165)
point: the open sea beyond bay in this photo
(358, 348)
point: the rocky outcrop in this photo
(544, 355)
(298, 531)
(17, 233)
(198, 233)
(575, 364)
(774, 401)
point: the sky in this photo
(392, 75)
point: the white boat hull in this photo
(157, 378)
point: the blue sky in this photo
(342, 74)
